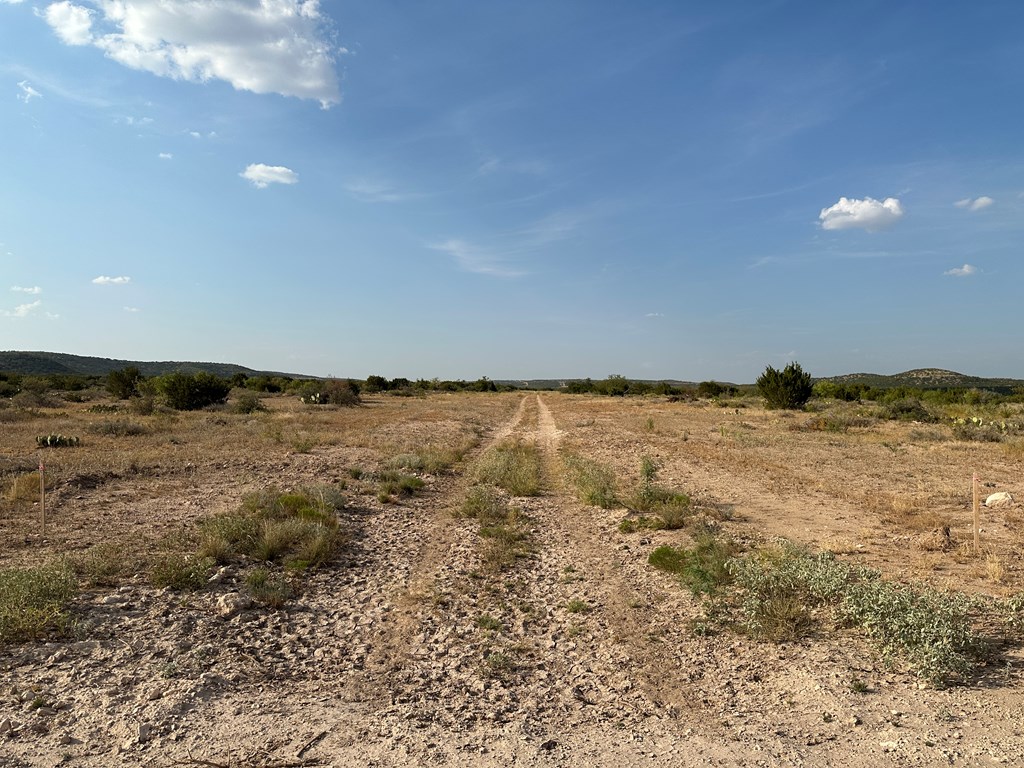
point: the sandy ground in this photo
(383, 659)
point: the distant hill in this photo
(44, 363)
(560, 383)
(928, 378)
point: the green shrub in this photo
(184, 392)
(33, 601)
(929, 630)
(908, 409)
(343, 392)
(788, 388)
(249, 404)
(124, 384)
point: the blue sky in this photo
(515, 189)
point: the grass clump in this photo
(297, 529)
(489, 623)
(578, 606)
(181, 571)
(432, 459)
(33, 601)
(595, 483)
(270, 589)
(502, 530)
(672, 507)
(513, 466)
(392, 483)
(703, 568)
(104, 565)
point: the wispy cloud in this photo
(35, 290)
(869, 214)
(974, 204)
(105, 280)
(527, 167)
(263, 176)
(376, 192)
(23, 310)
(655, 314)
(166, 156)
(965, 271)
(474, 258)
(271, 46)
(28, 92)
(132, 309)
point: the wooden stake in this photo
(42, 494)
(977, 514)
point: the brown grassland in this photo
(481, 593)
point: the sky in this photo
(528, 189)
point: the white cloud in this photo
(475, 259)
(104, 280)
(869, 214)
(72, 23)
(655, 314)
(28, 92)
(35, 290)
(165, 156)
(23, 310)
(965, 271)
(975, 204)
(132, 309)
(262, 46)
(262, 175)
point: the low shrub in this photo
(118, 428)
(246, 404)
(908, 409)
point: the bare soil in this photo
(408, 651)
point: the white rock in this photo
(232, 603)
(1000, 499)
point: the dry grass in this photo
(141, 475)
